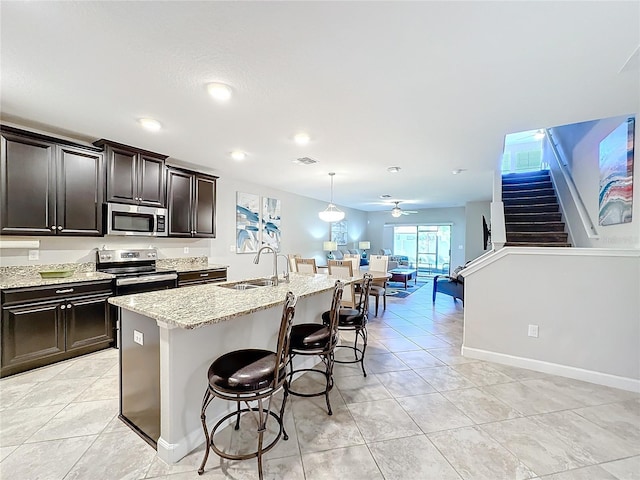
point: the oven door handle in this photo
(146, 279)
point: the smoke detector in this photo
(305, 161)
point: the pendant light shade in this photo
(331, 213)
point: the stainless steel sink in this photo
(249, 284)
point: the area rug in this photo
(396, 289)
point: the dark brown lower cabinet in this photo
(53, 326)
(198, 277)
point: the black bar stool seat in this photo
(355, 319)
(317, 339)
(250, 375)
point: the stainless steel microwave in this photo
(135, 220)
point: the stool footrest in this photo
(315, 394)
(245, 456)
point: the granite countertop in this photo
(28, 276)
(201, 305)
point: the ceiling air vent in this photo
(305, 161)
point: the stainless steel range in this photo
(135, 270)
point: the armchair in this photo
(449, 285)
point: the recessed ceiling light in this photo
(386, 195)
(219, 91)
(458, 170)
(393, 169)
(150, 124)
(302, 138)
(238, 155)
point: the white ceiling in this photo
(427, 86)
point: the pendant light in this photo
(331, 213)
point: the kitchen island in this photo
(170, 337)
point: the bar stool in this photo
(355, 320)
(250, 375)
(317, 339)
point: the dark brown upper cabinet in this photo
(191, 200)
(134, 176)
(49, 188)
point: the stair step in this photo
(537, 244)
(533, 217)
(530, 200)
(544, 208)
(534, 226)
(533, 192)
(508, 187)
(525, 177)
(545, 237)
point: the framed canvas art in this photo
(247, 222)
(339, 232)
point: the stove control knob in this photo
(151, 255)
(105, 257)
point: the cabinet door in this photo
(31, 333)
(87, 322)
(205, 207)
(122, 175)
(179, 195)
(27, 183)
(79, 192)
(151, 181)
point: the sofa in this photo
(339, 255)
(395, 261)
(449, 285)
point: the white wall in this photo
(580, 143)
(303, 232)
(586, 303)
(381, 237)
(474, 241)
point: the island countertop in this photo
(201, 305)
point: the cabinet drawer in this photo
(202, 276)
(52, 292)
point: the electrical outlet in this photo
(533, 331)
(34, 254)
(185, 249)
(138, 337)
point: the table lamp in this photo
(364, 246)
(329, 247)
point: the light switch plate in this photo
(34, 254)
(533, 331)
(138, 337)
(185, 249)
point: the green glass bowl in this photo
(56, 273)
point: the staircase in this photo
(531, 211)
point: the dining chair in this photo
(306, 265)
(292, 261)
(344, 269)
(355, 260)
(379, 263)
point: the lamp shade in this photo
(364, 245)
(329, 246)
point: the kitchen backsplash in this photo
(182, 263)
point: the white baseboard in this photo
(623, 383)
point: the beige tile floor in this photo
(423, 412)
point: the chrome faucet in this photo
(274, 277)
(286, 262)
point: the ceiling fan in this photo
(396, 211)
